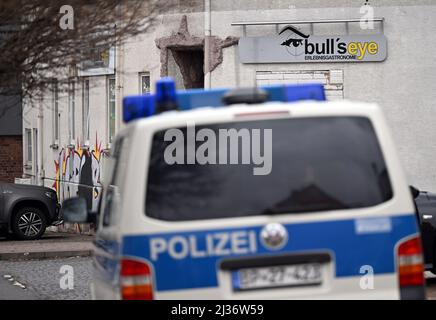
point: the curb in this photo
(43, 255)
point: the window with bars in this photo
(144, 83)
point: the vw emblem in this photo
(274, 236)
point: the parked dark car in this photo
(26, 210)
(426, 207)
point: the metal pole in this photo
(259, 23)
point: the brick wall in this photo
(11, 158)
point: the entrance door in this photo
(186, 65)
(332, 80)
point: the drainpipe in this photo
(207, 34)
(119, 79)
(119, 84)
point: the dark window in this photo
(318, 164)
(144, 78)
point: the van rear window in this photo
(316, 164)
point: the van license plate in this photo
(277, 276)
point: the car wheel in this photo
(29, 224)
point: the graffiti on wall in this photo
(78, 174)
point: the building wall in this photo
(11, 158)
(403, 85)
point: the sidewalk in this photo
(52, 245)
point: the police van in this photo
(263, 193)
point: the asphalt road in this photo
(13, 291)
(41, 279)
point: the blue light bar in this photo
(165, 90)
(167, 98)
(165, 95)
(197, 98)
(135, 107)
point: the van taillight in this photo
(410, 263)
(136, 280)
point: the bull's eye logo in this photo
(293, 42)
(274, 236)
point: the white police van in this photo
(311, 202)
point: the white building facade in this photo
(197, 44)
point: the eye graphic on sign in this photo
(293, 42)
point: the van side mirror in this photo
(414, 191)
(74, 210)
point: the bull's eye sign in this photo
(294, 41)
(292, 45)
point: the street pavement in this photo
(12, 290)
(52, 245)
(32, 269)
(41, 279)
